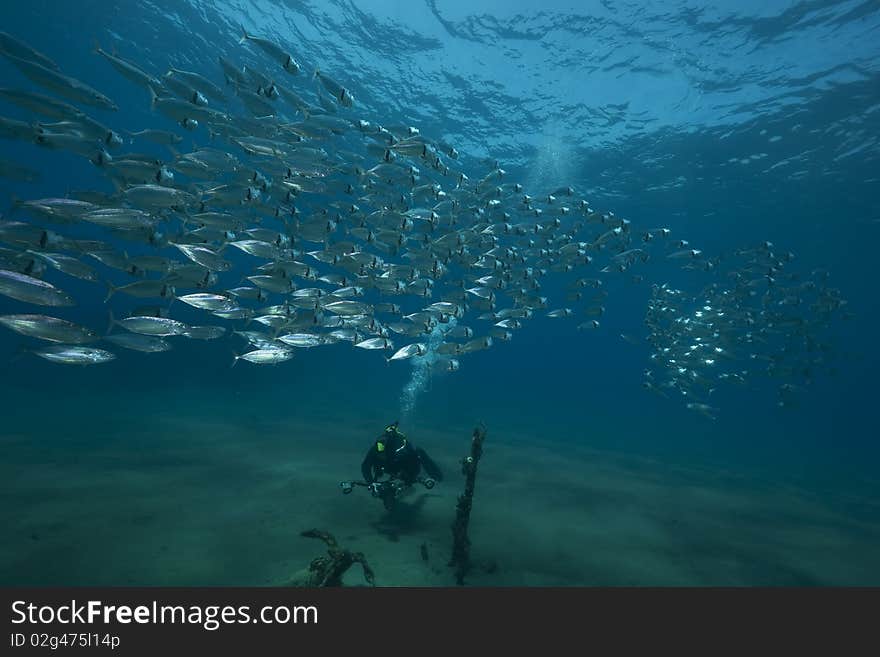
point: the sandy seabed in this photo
(184, 500)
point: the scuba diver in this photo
(393, 455)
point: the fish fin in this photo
(153, 89)
(111, 290)
(118, 185)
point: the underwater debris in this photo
(461, 544)
(328, 571)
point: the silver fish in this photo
(235, 313)
(41, 104)
(158, 326)
(341, 94)
(158, 136)
(48, 328)
(66, 86)
(204, 256)
(67, 355)
(276, 52)
(375, 343)
(303, 340)
(266, 356)
(349, 308)
(13, 129)
(138, 342)
(9, 44)
(32, 290)
(273, 283)
(208, 301)
(185, 91)
(204, 332)
(120, 218)
(158, 196)
(67, 264)
(257, 248)
(129, 70)
(198, 83)
(142, 289)
(703, 409)
(409, 351)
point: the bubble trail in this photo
(421, 369)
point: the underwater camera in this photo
(388, 491)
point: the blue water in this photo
(730, 124)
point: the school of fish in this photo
(351, 231)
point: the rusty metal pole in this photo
(461, 544)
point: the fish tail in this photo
(235, 359)
(111, 322)
(154, 89)
(96, 46)
(111, 290)
(153, 98)
(244, 35)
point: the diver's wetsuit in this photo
(393, 455)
